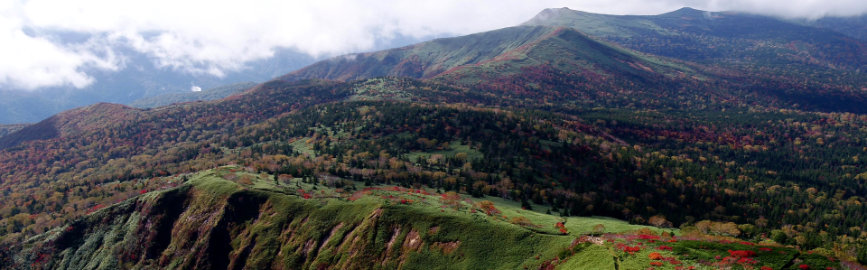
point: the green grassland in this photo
(455, 147)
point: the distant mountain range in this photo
(141, 80)
(723, 124)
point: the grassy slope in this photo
(229, 217)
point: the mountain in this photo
(710, 37)
(854, 26)
(560, 62)
(543, 118)
(775, 51)
(500, 62)
(203, 95)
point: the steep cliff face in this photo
(213, 223)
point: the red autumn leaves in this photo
(658, 258)
(742, 257)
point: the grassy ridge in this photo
(233, 218)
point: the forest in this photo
(791, 176)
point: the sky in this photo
(60, 43)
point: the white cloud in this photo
(30, 61)
(219, 36)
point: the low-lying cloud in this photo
(217, 36)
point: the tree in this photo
(659, 221)
(748, 229)
(728, 228)
(862, 254)
(779, 236)
(762, 222)
(703, 226)
(598, 229)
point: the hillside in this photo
(302, 225)
(70, 123)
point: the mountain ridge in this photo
(682, 27)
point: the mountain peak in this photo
(549, 15)
(686, 12)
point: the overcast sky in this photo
(216, 36)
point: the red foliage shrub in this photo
(561, 227)
(628, 249)
(747, 261)
(648, 237)
(742, 253)
(804, 266)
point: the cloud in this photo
(218, 36)
(810, 9)
(30, 61)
